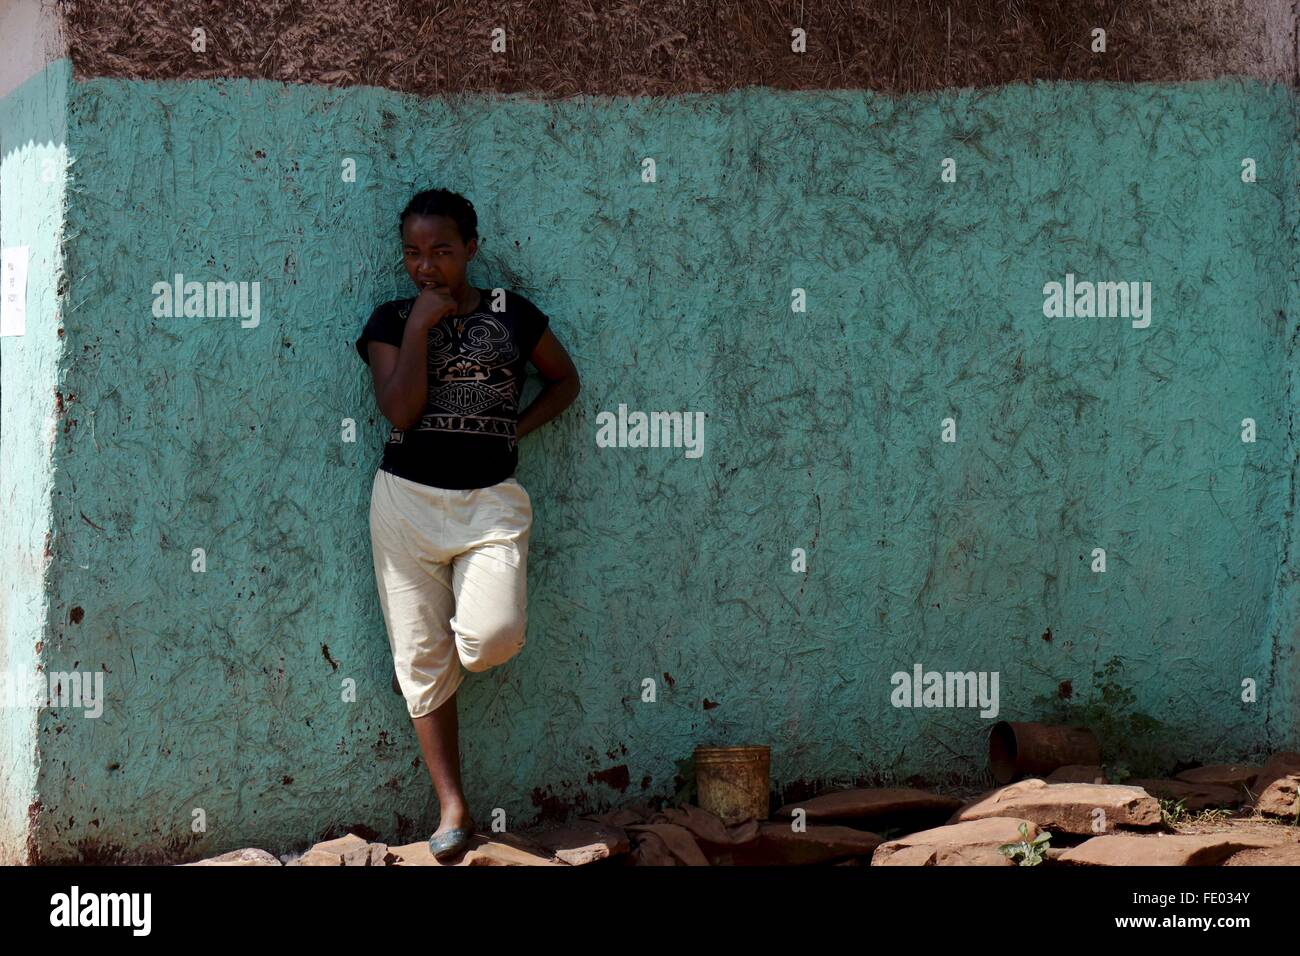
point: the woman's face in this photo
(434, 253)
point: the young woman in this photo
(449, 523)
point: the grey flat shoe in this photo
(448, 844)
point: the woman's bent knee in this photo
(495, 647)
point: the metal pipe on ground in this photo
(1019, 749)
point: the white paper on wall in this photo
(13, 290)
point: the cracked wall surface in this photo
(224, 688)
(33, 163)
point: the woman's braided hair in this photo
(443, 202)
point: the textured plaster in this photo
(33, 160)
(925, 301)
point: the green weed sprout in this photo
(1027, 852)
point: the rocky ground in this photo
(1224, 815)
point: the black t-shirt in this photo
(466, 437)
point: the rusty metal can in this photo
(733, 782)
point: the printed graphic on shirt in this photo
(473, 386)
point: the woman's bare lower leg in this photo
(439, 733)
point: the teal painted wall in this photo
(33, 158)
(822, 432)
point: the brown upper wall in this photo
(658, 47)
(30, 39)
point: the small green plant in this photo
(1176, 812)
(1027, 852)
(1173, 811)
(1134, 742)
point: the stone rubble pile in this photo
(1091, 822)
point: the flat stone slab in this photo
(1281, 798)
(947, 856)
(583, 842)
(1236, 775)
(249, 856)
(1279, 765)
(869, 803)
(969, 856)
(1195, 796)
(503, 852)
(1287, 854)
(778, 845)
(502, 849)
(958, 844)
(1065, 807)
(1205, 849)
(378, 856)
(1283, 764)
(350, 850)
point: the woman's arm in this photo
(401, 376)
(561, 388)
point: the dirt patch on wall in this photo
(570, 47)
